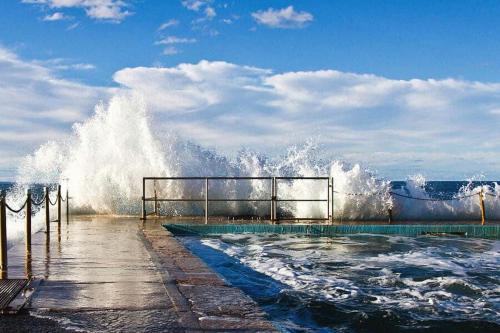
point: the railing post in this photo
(3, 237)
(59, 204)
(271, 218)
(328, 185)
(156, 202)
(389, 212)
(273, 200)
(271, 214)
(47, 210)
(481, 205)
(67, 206)
(28, 222)
(206, 200)
(143, 199)
(333, 201)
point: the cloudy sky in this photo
(402, 87)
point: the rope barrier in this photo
(39, 202)
(360, 194)
(63, 200)
(16, 210)
(413, 198)
(53, 203)
(433, 199)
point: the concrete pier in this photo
(120, 274)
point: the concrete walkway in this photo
(119, 275)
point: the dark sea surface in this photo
(363, 283)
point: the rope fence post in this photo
(481, 205)
(47, 210)
(3, 237)
(206, 200)
(67, 206)
(156, 199)
(59, 204)
(28, 221)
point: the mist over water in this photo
(102, 164)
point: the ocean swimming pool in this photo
(362, 282)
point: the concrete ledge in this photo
(202, 298)
(491, 231)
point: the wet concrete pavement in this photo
(117, 274)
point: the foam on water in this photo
(105, 158)
(418, 280)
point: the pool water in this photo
(363, 283)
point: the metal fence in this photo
(273, 198)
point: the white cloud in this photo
(73, 26)
(204, 7)
(210, 13)
(448, 126)
(394, 124)
(105, 10)
(80, 67)
(171, 50)
(195, 5)
(63, 64)
(37, 106)
(57, 16)
(286, 18)
(175, 40)
(168, 24)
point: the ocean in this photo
(363, 283)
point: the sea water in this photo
(363, 283)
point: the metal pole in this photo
(333, 201)
(3, 237)
(143, 199)
(67, 206)
(59, 204)
(155, 198)
(156, 202)
(328, 199)
(206, 200)
(47, 210)
(483, 210)
(28, 222)
(273, 201)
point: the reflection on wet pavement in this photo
(94, 265)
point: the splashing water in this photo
(362, 283)
(105, 158)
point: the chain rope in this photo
(16, 210)
(413, 198)
(39, 202)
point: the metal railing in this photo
(273, 199)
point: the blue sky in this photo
(400, 86)
(397, 39)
